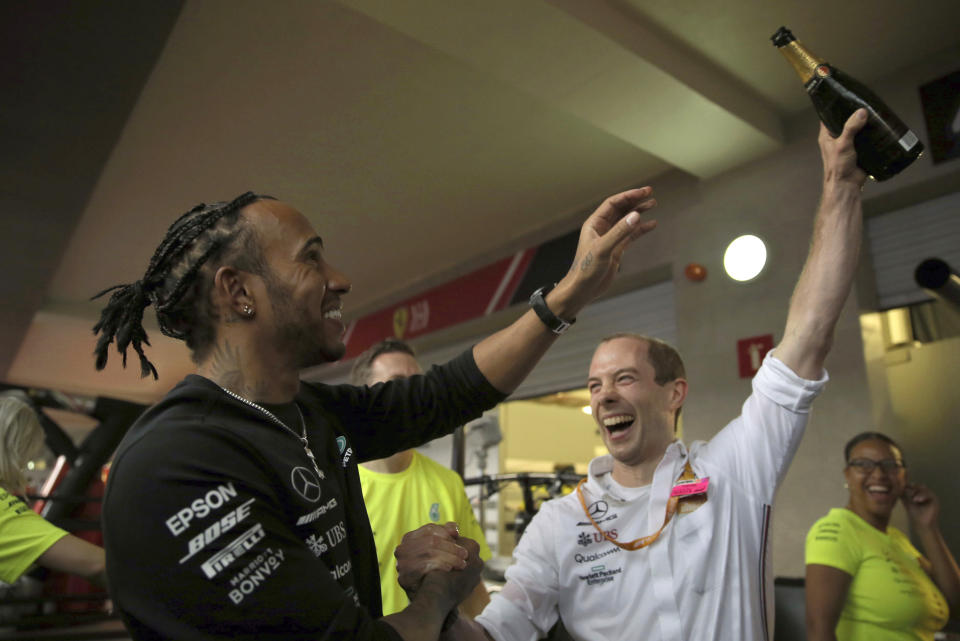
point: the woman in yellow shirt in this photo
(865, 581)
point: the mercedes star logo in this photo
(305, 483)
(598, 509)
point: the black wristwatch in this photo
(553, 322)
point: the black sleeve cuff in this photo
(484, 389)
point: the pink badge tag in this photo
(689, 488)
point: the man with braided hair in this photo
(234, 507)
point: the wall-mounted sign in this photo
(750, 353)
(479, 293)
(482, 292)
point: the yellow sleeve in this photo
(24, 536)
(832, 541)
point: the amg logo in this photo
(234, 550)
(226, 523)
(317, 513)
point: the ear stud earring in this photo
(248, 310)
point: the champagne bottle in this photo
(885, 146)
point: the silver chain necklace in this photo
(302, 437)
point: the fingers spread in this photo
(619, 205)
(628, 229)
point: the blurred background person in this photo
(25, 537)
(407, 490)
(864, 579)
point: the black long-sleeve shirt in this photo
(217, 525)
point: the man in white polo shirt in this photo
(662, 542)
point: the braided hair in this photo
(175, 284)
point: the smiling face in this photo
(635, 414)
(304, 291)
(874, 493)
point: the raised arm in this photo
(834, 251)
(923, 509)
(505, 358)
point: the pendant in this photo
(316, 468)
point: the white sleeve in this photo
(756, 448)
(526, 608)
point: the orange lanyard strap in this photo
(643, 541)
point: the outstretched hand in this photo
(839, 155)
(506, 357)
(603, 238)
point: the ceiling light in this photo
(745, 258)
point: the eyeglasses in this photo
(866, 466)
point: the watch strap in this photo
(553, 322)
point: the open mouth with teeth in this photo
(881, 496)
(334, 313)
(617, 425)
(879, 491)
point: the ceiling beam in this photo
(604, 65)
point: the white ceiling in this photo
(426, 138)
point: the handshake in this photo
(434, 562)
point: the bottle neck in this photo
(801, 59)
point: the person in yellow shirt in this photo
(408, 489)
(25, 537)
(865, 581)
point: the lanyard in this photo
(643, 541)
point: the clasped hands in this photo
(438, 556)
